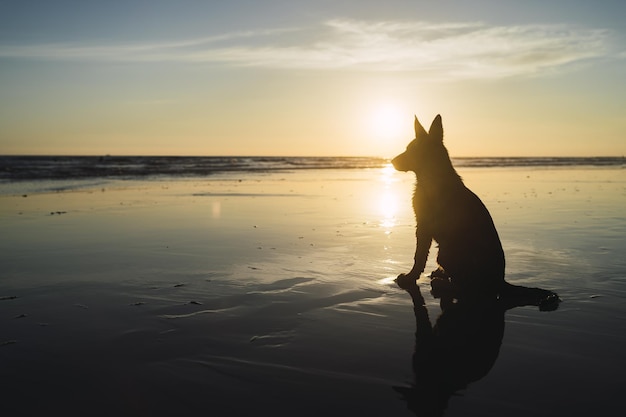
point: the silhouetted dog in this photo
(470, 252)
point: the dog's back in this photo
(470, 252)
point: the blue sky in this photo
(311, 78)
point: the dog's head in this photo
(425, 151)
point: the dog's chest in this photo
(437, 205)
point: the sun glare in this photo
(388, 122)
(388, 200)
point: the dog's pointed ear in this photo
(436, 129)
(420, 132)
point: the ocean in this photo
(26, 173)
(71, 167)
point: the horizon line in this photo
(63, 155)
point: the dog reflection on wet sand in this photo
(464, 343)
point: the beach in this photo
(244, 293)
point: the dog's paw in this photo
(442, 287)
(405, 281)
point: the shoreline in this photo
(80, 168)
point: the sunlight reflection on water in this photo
(387, 281)
(388, 201)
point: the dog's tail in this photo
(518, 296)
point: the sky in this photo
(309, 78)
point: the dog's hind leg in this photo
(439, 273)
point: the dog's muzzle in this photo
(398, 163)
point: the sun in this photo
(388, 122)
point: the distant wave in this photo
(76, 167)
(16, 168)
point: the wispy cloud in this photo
(441, 50)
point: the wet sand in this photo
(274, 293)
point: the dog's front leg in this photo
(423, 240)
(422, 247)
